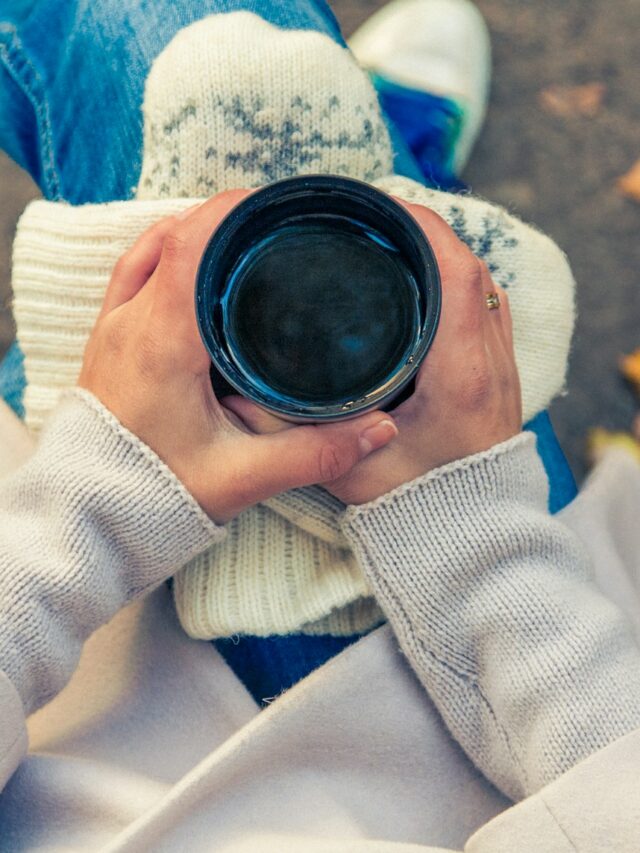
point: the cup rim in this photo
(322, 186)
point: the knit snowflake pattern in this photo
(257, 144)
(492, 240)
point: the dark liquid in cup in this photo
(322, 309)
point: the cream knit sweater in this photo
(530, 666)
(298, 104)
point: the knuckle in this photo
(485, 274)
(470, 271)
(175, 243)
(124, 266)
(333, 462)
(230, 196)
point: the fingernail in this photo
(188, 211)
(377, 436)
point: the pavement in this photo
(563, 126)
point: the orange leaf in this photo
(629, 184)
(600, 440)
(567, 101)
(630, 366)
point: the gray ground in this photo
(556, 171)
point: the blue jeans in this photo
(72, 76)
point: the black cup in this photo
(318, 298)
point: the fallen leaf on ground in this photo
(629, 184)
(567, 101)
(630, 368)
(599, 440)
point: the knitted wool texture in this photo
(297, 104)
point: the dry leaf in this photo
(630, 368)
(599, 440)
(567, 101)
(629, 184)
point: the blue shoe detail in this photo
(562, 484)
(429, 124)
(12, 379)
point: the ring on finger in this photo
(493, 301)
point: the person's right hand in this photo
(145, 361)
(467, 394)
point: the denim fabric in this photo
(72, 76)
(81, 66)
(429, 124)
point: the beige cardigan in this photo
(155, 745)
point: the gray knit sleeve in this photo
(491, 599)
(93, 520)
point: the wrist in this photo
(499, 469)
(110, 439)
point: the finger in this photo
(137, 264)
(506, 316)
(460, 339)
(447, 246)
(303, 456)
(183, 247)
(460, 272)
(499, 318)
(255, 418)
(489, 288)
(493, 317)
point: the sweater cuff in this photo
(98, 429)
(91, 521)
(13, 732)
(455, 495)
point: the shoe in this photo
(430, 61)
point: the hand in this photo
(145, 361)
(467, 394)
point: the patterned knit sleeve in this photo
(91, 521)
(492, 601)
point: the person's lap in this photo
(71, 87)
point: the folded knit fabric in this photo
(234, 101)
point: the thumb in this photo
(302, 456)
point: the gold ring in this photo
(493, 301)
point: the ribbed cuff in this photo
(92, 520)
(462, 490)
(13, 732)
(114, 442)
(430, 548)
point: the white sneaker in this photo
(441, 47)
